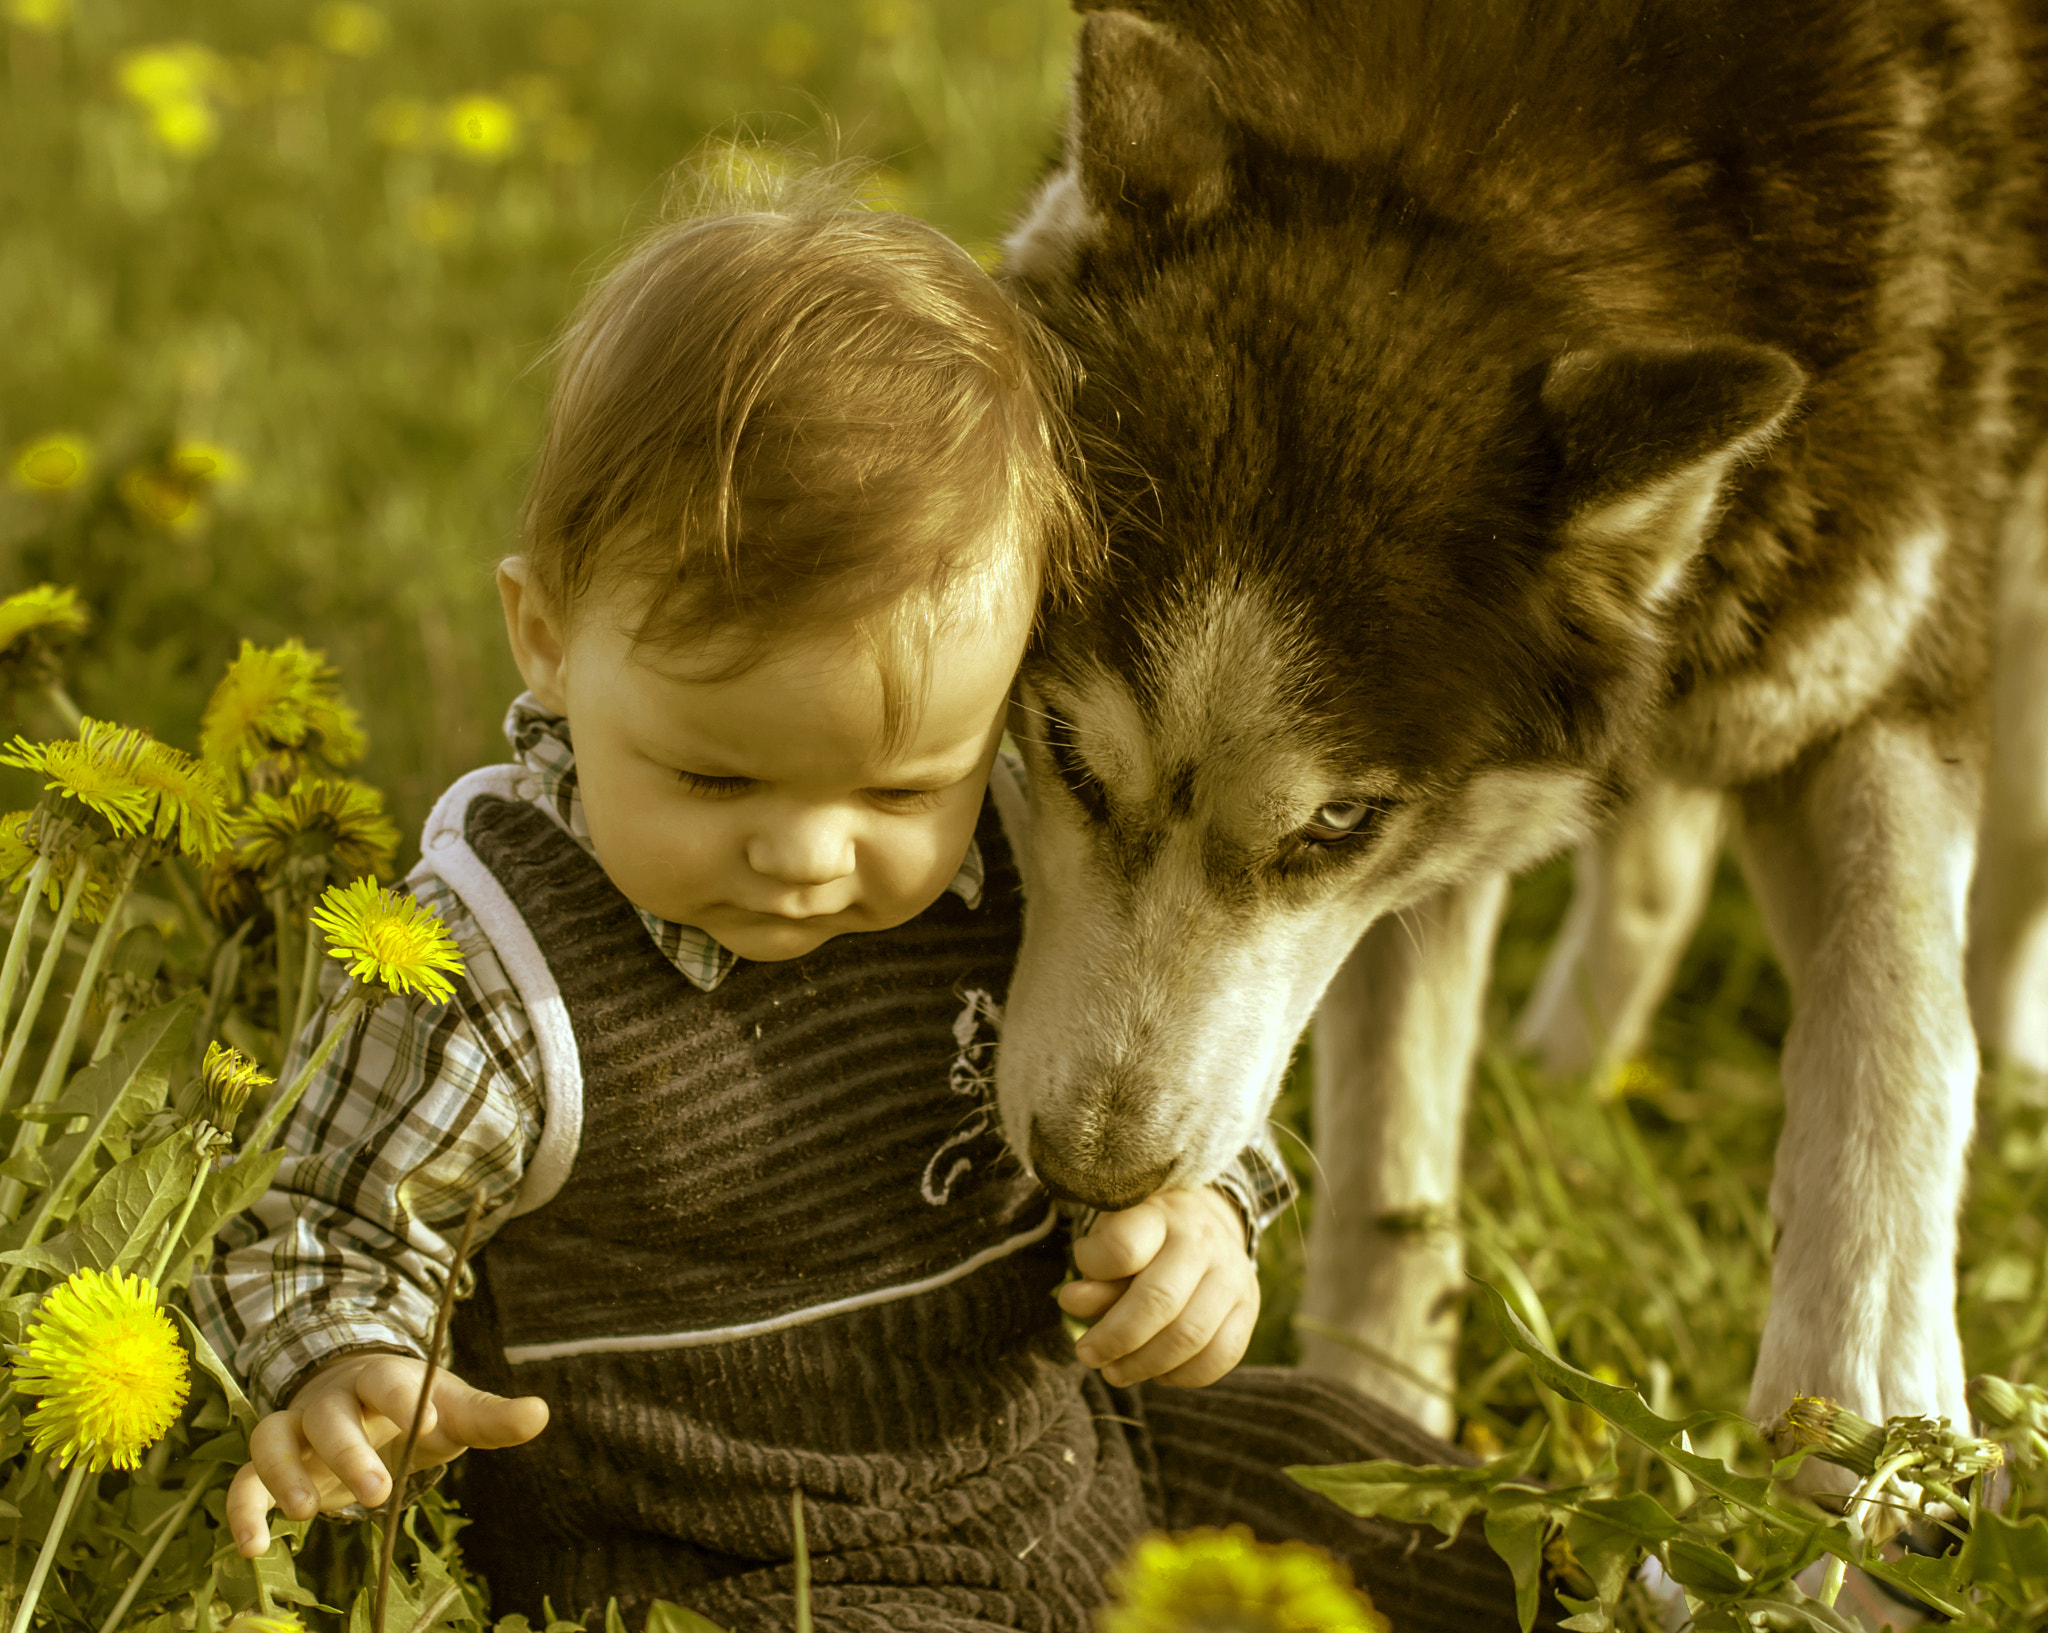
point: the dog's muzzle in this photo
(1106, 1186)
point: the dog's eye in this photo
(1342, 820)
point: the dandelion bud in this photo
(2013, 1412)
(226, 1080)
(1834, 1432)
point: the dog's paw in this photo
(1911, 1367)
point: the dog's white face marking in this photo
(1179, 931)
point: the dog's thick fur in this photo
(1520, 423)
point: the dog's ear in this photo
(1148, 139)
(1646, 437)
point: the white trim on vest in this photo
(639, 1343)
(445, 848)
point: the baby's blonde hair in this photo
(785, 412)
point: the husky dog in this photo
(1522, 423)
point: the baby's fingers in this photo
(249, 1504)
(1189, 1334)
(1121, 1244)
(1085, 1300)
(340, 1435)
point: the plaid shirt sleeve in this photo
(1259, 1182)
(349, 1250)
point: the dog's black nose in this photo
(1106, 1187)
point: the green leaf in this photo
(614, 1622)
(122, 1214)
(226, 1192)
(1706, 1571)
(663, 1617)
(239, 1409)
(1438, 1495)
(1796, 1615)
(123, 1088)
(1625, 1409)
(2008, 1559)
(1609, 1536)
(1515, 1531)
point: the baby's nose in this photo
(801, 853)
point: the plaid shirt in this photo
(423, 1106)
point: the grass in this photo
(275, 249)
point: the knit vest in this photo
(782, 1248)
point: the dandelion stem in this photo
(403, 1472)
(57, 1067)
(67, 711)
(17, 944)
(1859, 1505)
(351, 1004)
(74, 1488)
(53, 950)
(169, 1250)
(172, 1525)
(309, 970)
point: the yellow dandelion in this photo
(188, 127)
(161, 498)
(351, 30)
(339, 821)
(1210, 1581)
(232, 893)
(48, 609)
(191, 805)
(227, 1077)
(480, 127)
(19, 849)
(175, 83)
(96, 769)
(206, 465)
(390, 939)
(39, 16)
(52, 462)
(106, 1363)
(275, 715)
(277, 1621)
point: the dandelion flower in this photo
(175, 84)
(339, 822)
(191, 805)
(227, 1078)
(207, 465)
(52, 463)
(106, 1363)
(1210, 1581)
(277, 1621)
(97, 769)
(42, 16)
(275, 715)
(48, 609)
(484, 128)
(231, 892)
(19, 848)
(389, 938)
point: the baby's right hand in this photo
(321, 1451)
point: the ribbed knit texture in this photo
(811, 1131)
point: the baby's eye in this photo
(712, 787)
(907, 799)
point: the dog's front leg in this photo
(1861, 862)
(1637, 891)
(1394, 1041)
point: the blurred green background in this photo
(276, 280)
(280, 275)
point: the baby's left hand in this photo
(1171, 1290)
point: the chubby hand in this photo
(322, 1451)
(1170, 1288)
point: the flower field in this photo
(277, 281)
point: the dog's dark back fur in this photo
(1335, 253)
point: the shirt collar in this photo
(540, 743)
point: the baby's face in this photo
(764, 809)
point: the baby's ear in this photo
(535, 630)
